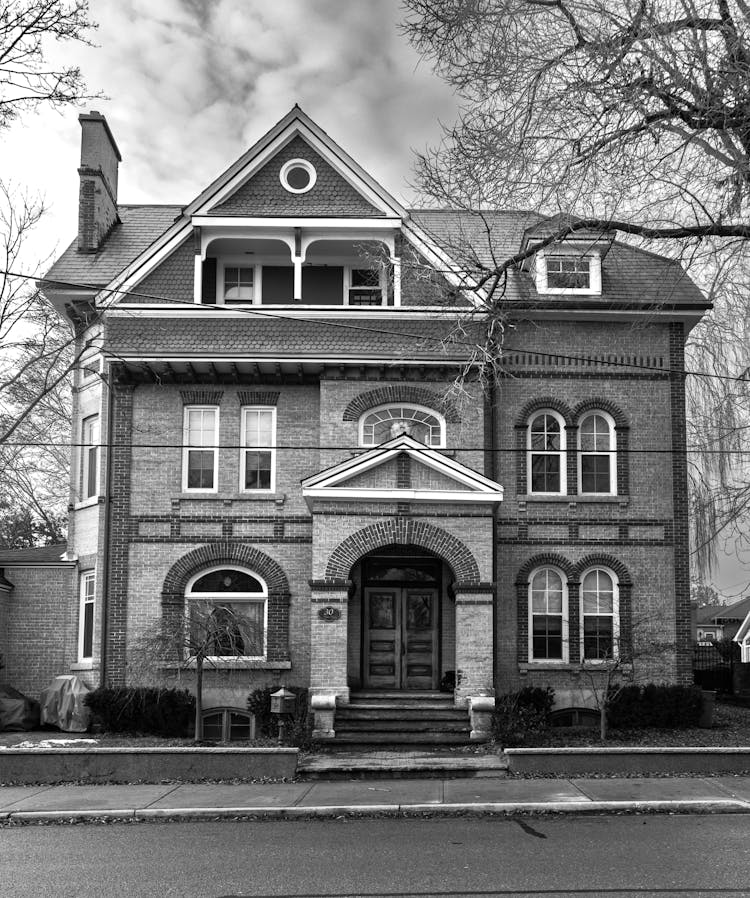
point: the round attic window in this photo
(297, 176)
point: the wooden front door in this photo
(400, 637)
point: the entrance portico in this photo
(402, 593)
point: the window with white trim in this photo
(545, 444)
(258, 453)
(227, 614)
(548, 615)
(569, 272)
(600, 628)
(200, 454)
(90, 457)
(86, 607)
(388, 421)
(597, 454)
(239, 284)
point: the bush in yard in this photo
(522, 715)
(142, 709)
(266, 724)
(655, 705)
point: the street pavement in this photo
(501, 795)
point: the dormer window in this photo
(568, 273)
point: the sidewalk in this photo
(28, 804)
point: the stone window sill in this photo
(607, 500)
(84, 665)
(571, 667)
(230, 664)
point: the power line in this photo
(262, 313)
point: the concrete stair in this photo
(386, 719)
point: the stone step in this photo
(401, 726)
(416, 695)
(356, 712)
(380, 738)
(393, 708)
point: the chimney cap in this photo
(95, 116)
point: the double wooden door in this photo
(400, 637)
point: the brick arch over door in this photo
(397, 532)
(234, 555)
(403, 393)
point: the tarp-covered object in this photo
(17, 712)
(62, 704)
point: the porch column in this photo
(328, 644)
(474, 655)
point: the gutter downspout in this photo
(107, 521)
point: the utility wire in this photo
(261, 313)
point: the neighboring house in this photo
(265, 422)
(742, 638)
(706, 629)
(730, 617)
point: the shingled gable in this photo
(454, 482)
(249, 192)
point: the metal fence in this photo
(711, 669)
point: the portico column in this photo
(328, 657)
(474, 655)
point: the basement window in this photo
(227, 725)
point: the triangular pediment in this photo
(401, 470)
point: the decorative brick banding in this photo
(201, 397)
(398, 531)
(401, 393)
(231, 554)
(258, 397)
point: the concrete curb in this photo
(687, 806)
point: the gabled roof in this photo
(460, 483)
(706, 613)
(738, 611)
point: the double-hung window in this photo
(548, 616)
(546, 453)
(258, 453)
(596, 454)
(200, 454)
(90, 457)
(599, 616)
(87, 600)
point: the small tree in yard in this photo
(210, 633)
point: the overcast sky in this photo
(191, 84)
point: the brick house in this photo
(264, 422)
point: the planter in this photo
(145, 765)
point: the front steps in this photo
(384, 719)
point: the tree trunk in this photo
(603, 721)
(199, 698)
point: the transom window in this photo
(390, 421)
(239, 284)
(568, 272)
(258, 458)
(599, 616)
(200, 454)
(596, 456)
(227, 613)
(546, 453)
(548, 613)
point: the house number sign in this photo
(329, 613)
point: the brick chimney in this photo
(97, 198)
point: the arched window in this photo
(548, 615)
(387, 421)
(227, 614)
(546, 452)
(600, 626)
(597, 454)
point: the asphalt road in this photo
(557, 856)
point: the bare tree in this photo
(27, 81)
(635, 115)
(210, 634)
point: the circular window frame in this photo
(297, 163)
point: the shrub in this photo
(266, 724)
(520, 716)
(655, 705)
(142, 709)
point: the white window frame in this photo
(562, 452)
(615, 615)
(386, 405)
(565, 636)
(611, 454)
(90, 368)
(244, 449)
(230, 597)
(221, 282)
(186, 448)
(90, 443)
(595, 273)
(86, 600)
(297, 163)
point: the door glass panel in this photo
(391, 569)
(382, 611)
(419, 612)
